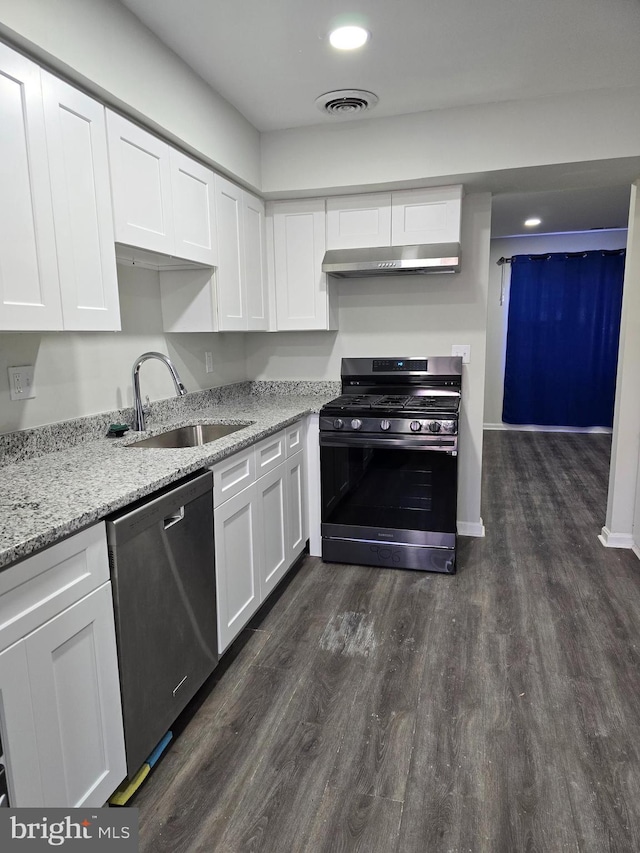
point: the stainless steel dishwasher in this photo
(162, 568)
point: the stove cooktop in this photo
(402, 404)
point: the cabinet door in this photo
(255, 263)
(29, 289)
(273, 539)
(73, 673)
(302, 300)
(194, 209)
(426, 216)
(237, 564)
(83, 217)
(357, 221)
(18, 730)
(231, 303)
(141, 186)
(296, 510)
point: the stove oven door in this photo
(389, 501)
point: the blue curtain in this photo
(562, 338)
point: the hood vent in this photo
(394, 260)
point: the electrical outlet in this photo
(464, 350)
(208, 361)
(21, 385)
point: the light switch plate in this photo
(21, 385)
(464, 350)
(208, 361)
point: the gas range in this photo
(388, 464)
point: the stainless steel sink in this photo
(194, 435)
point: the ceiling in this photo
(581, 209)
(271, 59)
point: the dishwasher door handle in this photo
(177, 516)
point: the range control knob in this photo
(338, 423)
(356, 423)
(415, 426)
(435, 426)
(385, 425)
(449, 426)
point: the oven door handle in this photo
(442, 444)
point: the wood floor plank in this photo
(350, 822)
(376, 749)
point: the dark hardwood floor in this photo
(494, 711)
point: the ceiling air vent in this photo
(346, 102)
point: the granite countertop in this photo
(49, 495)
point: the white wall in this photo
(497, 314)
(623, 505)
(79, 374)
(103, 46)
(412, 316)
(444, 143)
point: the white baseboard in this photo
(636, 551)
(542, 428)
(470, 528)
(615, 540)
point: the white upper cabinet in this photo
(255, 262)
(29, 287)
(163, 200)
(81, 193)
(141, 186)
(302, 297)
(231, 299)
(194, 209)
(57, 256)
(400, 218)
(426, 216)
(357, 221)
(241, 276)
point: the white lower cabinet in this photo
(259, 530)
(60, 711)
(296, 515)
(76, 703)
(273, 542)
(237, 557)
(18, 729)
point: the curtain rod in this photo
(547, 255)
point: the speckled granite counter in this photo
(45, 496)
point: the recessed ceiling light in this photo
(348, 38)
(532, 222)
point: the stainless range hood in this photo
(393, 260)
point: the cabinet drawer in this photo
(295, 438)
(232, 475)
(270, 452)
(40, 587)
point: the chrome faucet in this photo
(138, 412)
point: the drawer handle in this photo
(170, 520)
(179, 685)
